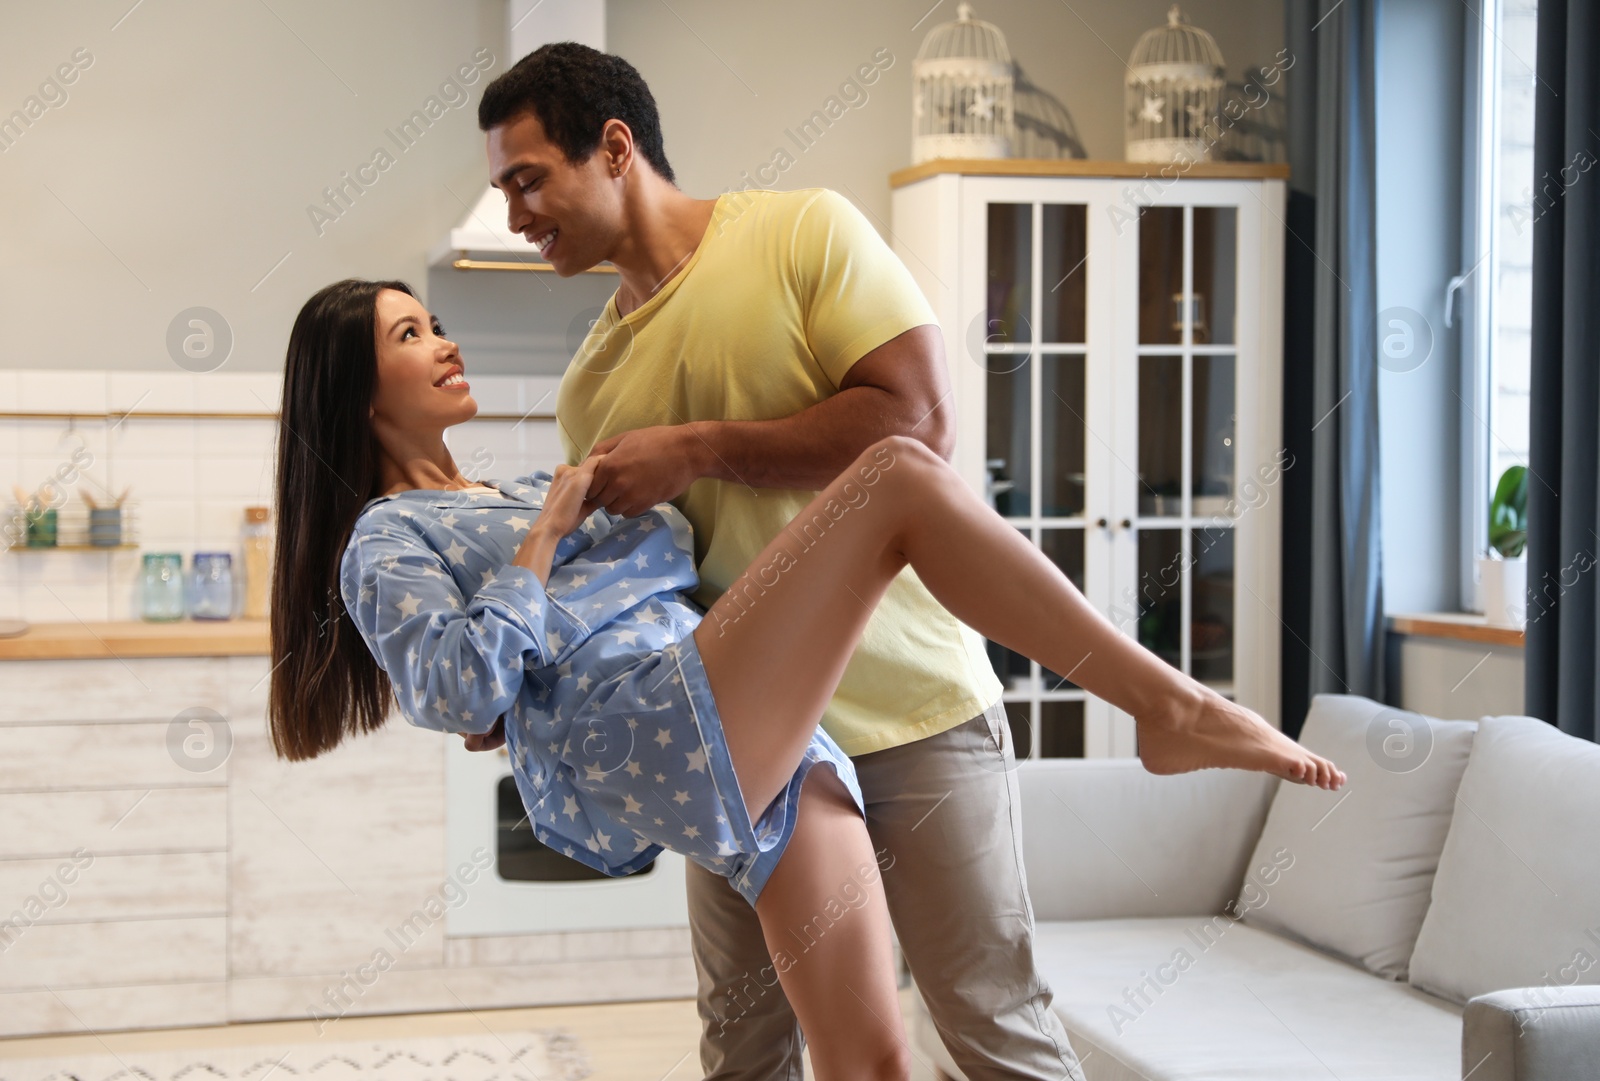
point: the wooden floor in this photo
(629, 1041)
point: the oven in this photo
(529, 887)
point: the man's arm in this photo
(899, 388)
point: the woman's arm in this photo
(612, 565)
(456, 664)
(537, 551)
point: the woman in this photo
(635, 719)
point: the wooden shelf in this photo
(136, 638)
(1200, 170)
(1460, 626)
(70, 547)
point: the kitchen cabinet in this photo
(1114, 342)
(114, 850)
(161, 867)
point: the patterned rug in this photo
(534, 1055)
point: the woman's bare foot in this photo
(1211, 732)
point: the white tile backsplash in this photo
(142, 437)
(60, 439)
(66, 602)
(156, 478)
(497, 393)
(240, 438)
(150, 392)
(191, 478)
(234, 478)
(238, 392)
(168, 524)
(50, 391)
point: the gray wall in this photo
(730, 88)
(179, 169)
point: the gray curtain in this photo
(1563, 661)
(1333, 591)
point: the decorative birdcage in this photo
(1174, 91)
(1044, 128)
(961, 95)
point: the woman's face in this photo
(421, 382)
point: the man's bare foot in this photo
(1211, 732)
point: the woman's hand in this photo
(567, 502)
(488, 741)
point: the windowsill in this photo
(1461, 626)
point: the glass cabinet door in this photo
(1036, 403)
(1186, 415)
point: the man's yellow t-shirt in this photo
(785, 292)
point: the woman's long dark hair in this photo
(325, 683)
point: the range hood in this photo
(480, 240)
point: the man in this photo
(755, 345)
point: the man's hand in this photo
(495, 737)
(644, 467)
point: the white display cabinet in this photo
(1115, 348)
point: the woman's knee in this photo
(897, 465)
(892, 450)
(894, 1063)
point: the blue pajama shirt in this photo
(614, 737)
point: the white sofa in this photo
(1438, 918)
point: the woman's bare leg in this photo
(776, 643)
(826, 926)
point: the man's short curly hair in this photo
(574, 90)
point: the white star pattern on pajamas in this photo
(468, 637)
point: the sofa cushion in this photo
(1192, 998)
(1516, 901)
(1351, 872)
(1106, 837)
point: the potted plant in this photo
(1503, 573)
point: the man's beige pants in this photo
(945, 820)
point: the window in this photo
(1503, 204)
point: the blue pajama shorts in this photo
(675, 784)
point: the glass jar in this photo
(162, 588)
(212, 586)
(256, 558)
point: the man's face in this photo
(572, 211)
